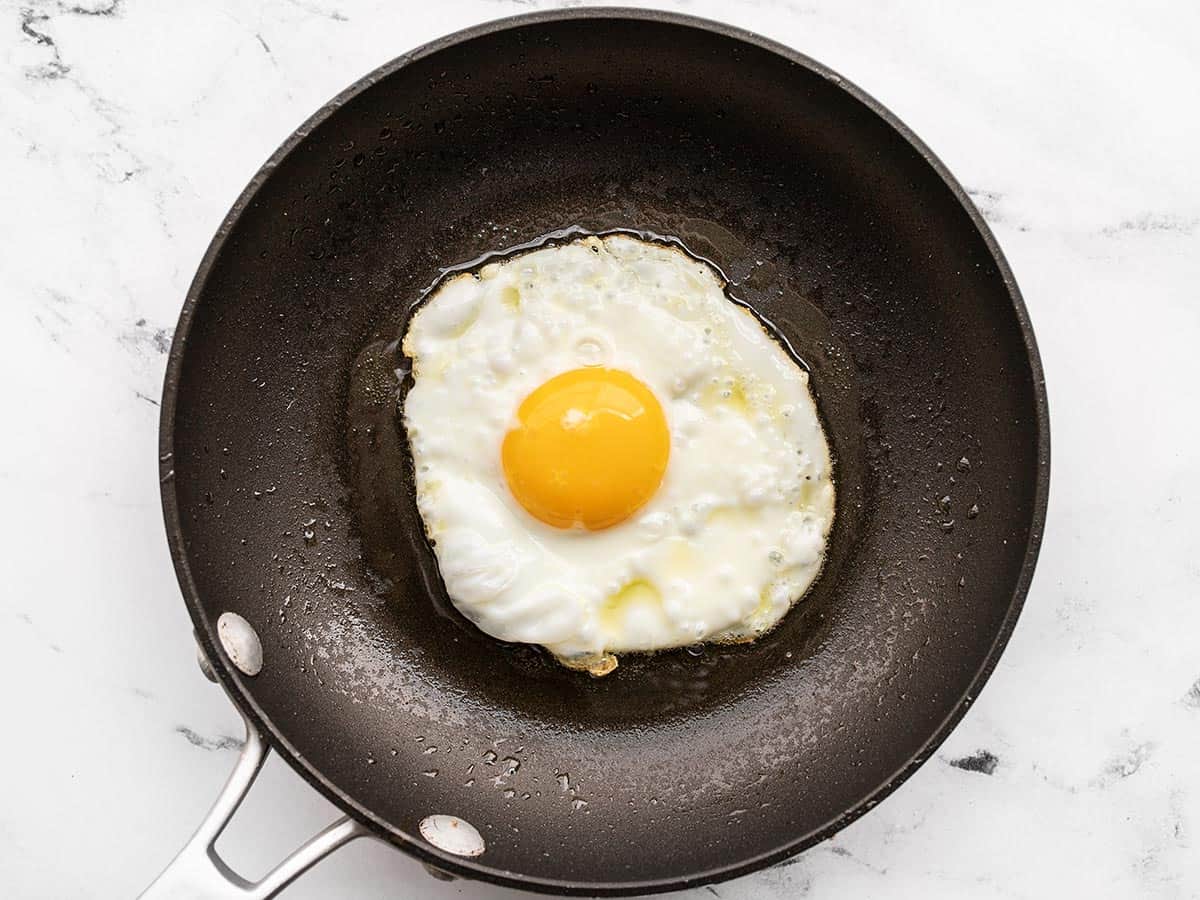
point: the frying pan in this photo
(287, 491)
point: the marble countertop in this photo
(129, 126)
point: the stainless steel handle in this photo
(198, 873)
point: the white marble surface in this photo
(128, 127)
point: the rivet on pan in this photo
(452, 834)
(205, 666)
(241, 643)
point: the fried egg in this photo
(611, 455)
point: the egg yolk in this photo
(589, 448)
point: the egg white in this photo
(736, 532)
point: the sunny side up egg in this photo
(611, 455)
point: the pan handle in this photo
(198, 873)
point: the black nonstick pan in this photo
(287, 489)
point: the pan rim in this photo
(235, 685)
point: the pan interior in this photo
(294, 497)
